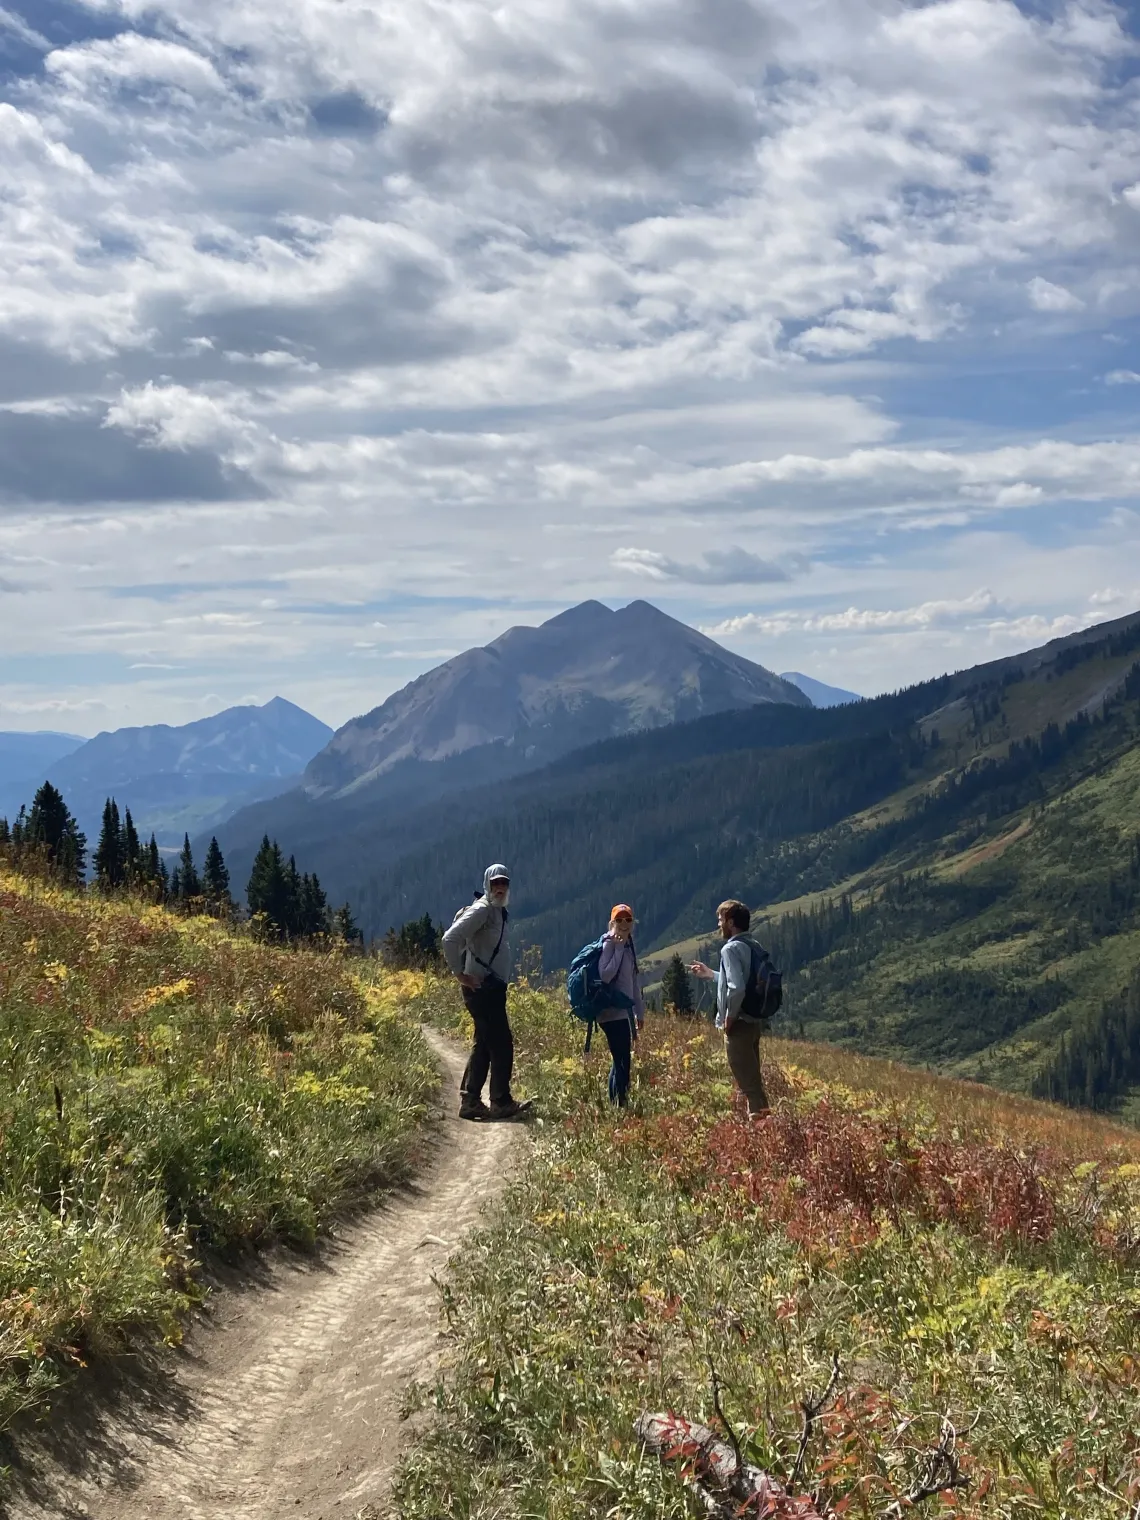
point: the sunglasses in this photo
(624, 918)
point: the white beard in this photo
(502, 899)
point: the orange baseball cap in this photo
(622, 908)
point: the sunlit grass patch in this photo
(168, 1089)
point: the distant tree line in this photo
(284, 904)
(122, 863)
(1112, 646)
(1100, 1060)
(415, 946)
(288, 905)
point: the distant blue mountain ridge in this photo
(818, 693)
(25, 759)
(176, 779)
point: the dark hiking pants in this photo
(742, 1046)
(619, 1037)
(493, 1048)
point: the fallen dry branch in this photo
(724, 1484)
(941, 1474)
(812, 1408)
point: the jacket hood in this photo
(490, 874)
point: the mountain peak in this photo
(586, 674)
(281, 707)
(585, 612)
(643, 609)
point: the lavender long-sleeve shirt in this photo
(617, 967)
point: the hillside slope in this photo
(981, 918)
(169, 1090)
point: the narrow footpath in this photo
(285, 1400)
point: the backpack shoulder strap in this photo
(498, 945)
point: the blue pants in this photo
(619, 1037)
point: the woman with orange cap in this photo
(618, 969)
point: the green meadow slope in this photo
(984, 917)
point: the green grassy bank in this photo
(167, 1091)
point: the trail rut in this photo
(285, 1401)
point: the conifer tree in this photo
(51, 827)
(5, 832)
(344, 926)
(313, 908)
(676, 989)
(291, 915)
(283, 903)
(109, 862)
(131, 850)
(216, 879)
(188, 884)
(154, 872)
(266, 892)
(414, 946)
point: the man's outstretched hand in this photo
(702, 972)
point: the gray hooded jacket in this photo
(469, 946)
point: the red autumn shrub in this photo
(831, 1162)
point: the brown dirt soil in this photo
(991, 850)
(285, 1399)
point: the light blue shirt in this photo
(735, 969)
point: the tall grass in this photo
(968, 1257)
(168, 1090)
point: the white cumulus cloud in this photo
(1045, 296)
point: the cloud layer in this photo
(336, 335)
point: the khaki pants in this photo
(742, 1047)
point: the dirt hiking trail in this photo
(285, 1400)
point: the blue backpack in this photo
(587, 992)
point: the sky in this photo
(336, 337)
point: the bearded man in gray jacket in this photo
(736, 999)
(478, 952)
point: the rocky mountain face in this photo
(189, 777)
(536, 693)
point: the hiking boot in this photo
(512, 1109)
(760, 1114)
(474, 1109)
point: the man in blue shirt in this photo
(738, 960)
